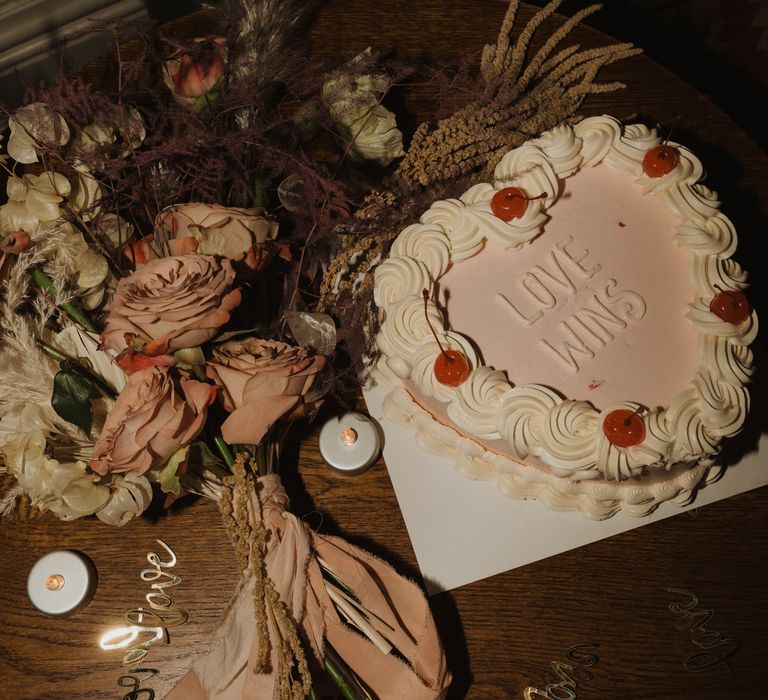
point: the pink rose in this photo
(171, 303)
(150, 421)
(193, 72)
(261, 381)
(242, 235)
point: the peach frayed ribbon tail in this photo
(400, 612)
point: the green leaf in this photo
(169, 479)
(72, 394)
(202, 456)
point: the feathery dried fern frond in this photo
(521, 97)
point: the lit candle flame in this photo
(54, 582)
(348, 436)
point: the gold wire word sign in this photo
(570, 675)
(154, 621)
(716, 649)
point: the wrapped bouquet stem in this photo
(282, 618)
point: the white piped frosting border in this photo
(585, 471)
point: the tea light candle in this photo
(61, 582)
(350, 443)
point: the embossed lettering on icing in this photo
(563, 244)
(547, 300)
(602, 339)
(568, 350)
(528, 320)
(593, 326)
(545, 287)
(598, 320)
(590, 327)
(630, 305)
(560, 277)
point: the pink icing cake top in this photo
(594, 307)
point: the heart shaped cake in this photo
(576, 330)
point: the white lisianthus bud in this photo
(375, 136)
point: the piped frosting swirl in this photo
(535, 421)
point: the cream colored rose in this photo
(354, 102)
(171, 303)
(261, 381)
(116, 133)
(153, 417)
(231, 232)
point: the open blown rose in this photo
(171, 303)
(152, 419)
(238, 234)
(261, 381)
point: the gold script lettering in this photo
(147, 622)
(703, 638)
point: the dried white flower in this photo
(67, 489)
(114, 229)
(33, 199)
(86, 195)
(116, 134)
(90, 271)
(131, 495)
(354, 102)
(32, 128)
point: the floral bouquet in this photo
(168, 246)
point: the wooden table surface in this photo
(503, 633)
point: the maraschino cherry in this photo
(624, 428)
(659, 160)
(511, 203)
(451, 367)
(662, 159)
(730, 305)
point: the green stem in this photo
(311, 695)
(44, 282)
(77, 366)
(258, 191)
(224, 451)
(199, 372)
(341, 675)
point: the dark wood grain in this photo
(501, 633)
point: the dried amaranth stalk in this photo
(521, 97)
(248, 536)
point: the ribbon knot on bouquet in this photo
(284, 603)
